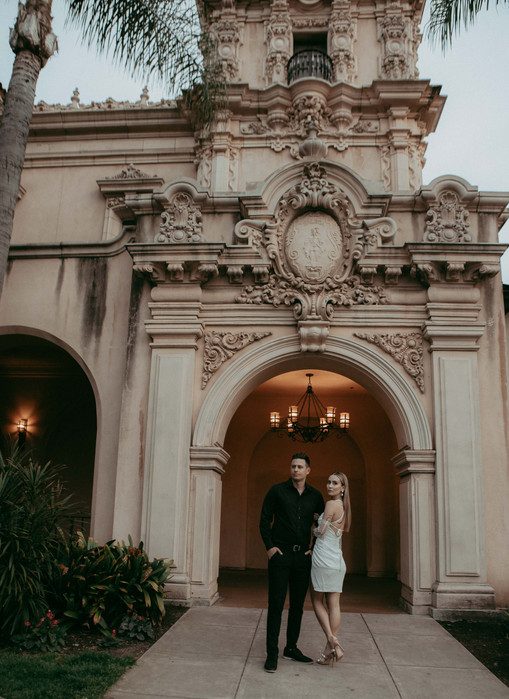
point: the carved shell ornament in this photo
(314, 243)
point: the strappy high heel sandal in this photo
(326, 658)
(327, 655)
(337, 649)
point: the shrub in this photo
(136, 628)
(32, 505)
(44, 637)
(99, 585)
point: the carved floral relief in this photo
(405, 348)
(221, 346)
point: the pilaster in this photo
(416, 471)
(207, 466)
(174, 330)
(453, 332)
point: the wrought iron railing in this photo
(309, 63)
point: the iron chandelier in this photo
(310, 420)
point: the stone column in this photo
(453, 332)
(175, 330)
(416, 469)
(207, 467)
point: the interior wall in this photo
(259, 458)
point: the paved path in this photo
(219, 652)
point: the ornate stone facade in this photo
(294, 234)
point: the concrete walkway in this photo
(219, 652)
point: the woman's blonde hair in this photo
(346, 500)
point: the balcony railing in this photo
(309, 63)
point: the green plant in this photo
(32, 505)
(99, 585)
(136, 628)
(45, 636)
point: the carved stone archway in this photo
(414, 461)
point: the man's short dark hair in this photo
(301, 455)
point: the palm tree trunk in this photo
(33, 42)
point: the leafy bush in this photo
(136, 628)
(44, 637)
(32, 505)
(99, 585)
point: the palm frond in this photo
(162, 38)
(447, 17)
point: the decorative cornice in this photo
(221, 346)
(405, 348)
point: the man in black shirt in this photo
(285, 525)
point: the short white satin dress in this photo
(327, 565)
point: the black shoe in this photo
(295, 654)
(270, 665)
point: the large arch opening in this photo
(407, 430)
(259, 458)
(44, 385)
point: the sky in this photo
(471, 138)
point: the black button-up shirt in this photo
(290, 514)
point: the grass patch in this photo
(86, 675)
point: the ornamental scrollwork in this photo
(447, 221)
(405, 348)
(180, 221)
(221, 346)
(227, 35)
(343, 33)
(399, 46)
(314, 244)
(278, 37)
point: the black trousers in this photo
(288, 571)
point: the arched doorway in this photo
(259, 458)
(44, 385)
(413, 457)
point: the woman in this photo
(328, 567)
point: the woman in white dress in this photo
(328, 567)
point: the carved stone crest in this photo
(313, 245)
(315, 242)
(180, 221)
(447, 221)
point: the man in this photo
(290, 508)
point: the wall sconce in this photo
(22, 430)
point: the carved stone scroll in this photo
(221, 346)
(405, 348)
